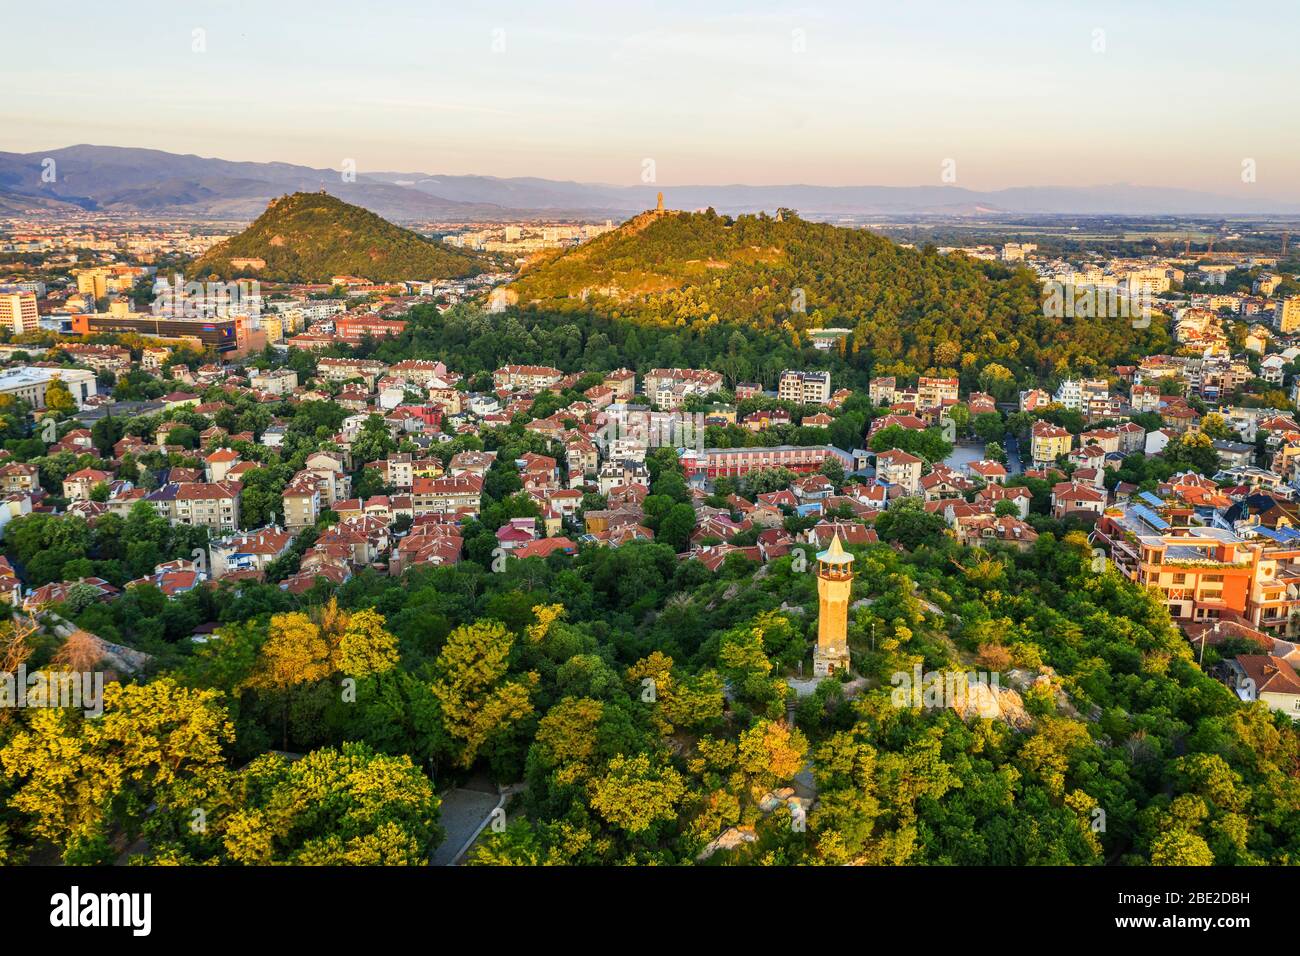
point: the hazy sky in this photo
(1040, 92)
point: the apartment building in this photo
(1132, 437)
(30, 383)
(732, 462)
(804, 388)
(301, 499)
(446, 396)
(581, 455)
(93, 282)
(279, 381)
(1274, 599)
(1016, 251)
(330, 469)
(1144, 398)
(1266, 283)
(354, 328)
(252, 551)
(219, 463)
(1019, 496)
(1033, 399)
(422, 372)
(102, 358)
(1107, 439)
(1049, 442)
(1202, 573)
(153, 359)
(1286, 314)
(206, 504)
(78, 485)
(345, 369)
(398, 470)
(668, 387)
(1219, 376)
(897, 467)
(881, 390)
(471, 463)
(1148, 281)
(19, 477)
(616, 473)
(447, 495)
(623, 382)
(1077, 394)
(18, 313)
(530, 378)
(935, 392)
(1074, 499)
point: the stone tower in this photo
(659, 208)
(834, 587)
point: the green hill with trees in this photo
(911, 311)
(310, 237)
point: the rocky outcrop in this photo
(1045, 676)
(775, 798)
(992, 702)
(729, 839)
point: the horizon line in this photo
(788, 184)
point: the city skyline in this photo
(824, 95)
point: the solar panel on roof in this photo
(1150, 499)
(1150, 518)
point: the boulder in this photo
(992, 703)
(729, 839)
(774, 798)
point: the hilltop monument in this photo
(834, 588)
(659, 207)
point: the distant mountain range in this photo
(149, 181)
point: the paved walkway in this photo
(463, 812)
(466, 812)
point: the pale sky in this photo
(1037, 92)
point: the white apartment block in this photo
(1075, 394)
(18, 312)
(280, 381)
(30, 383)
(805, 388)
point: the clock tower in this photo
(834, 587)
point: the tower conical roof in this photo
(835, 553)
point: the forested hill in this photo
(310, 237)
(909, 306)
